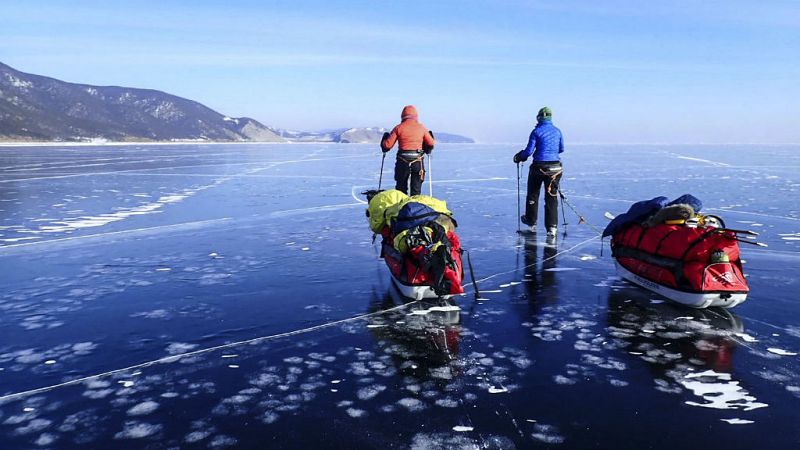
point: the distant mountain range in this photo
(38, 108)
(371, 135)
(34, 107)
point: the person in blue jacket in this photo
(545, 144)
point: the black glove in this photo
(516, 158)
(383, 139)
(427, 148)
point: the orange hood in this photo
(409, 112)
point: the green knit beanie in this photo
(545, 113)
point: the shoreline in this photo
(167, 143)
(176, 143)
(119, 143)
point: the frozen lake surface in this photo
(255, 262)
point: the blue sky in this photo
(613, 71)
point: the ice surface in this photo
(121, 256)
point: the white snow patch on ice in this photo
(83, 348)
(143, 408)
(521, 362)
(269, 417)
(177, 348)
(18, 239)
(223, 441)
(462, 428)
(547, 434)
(560, 379)
(713, 163)
(196, 436)
(723, 394)
(746, 337)
(411, 404)
(447, 402)
(154, 314)
(355, 412)
(369, 392)
(34, 426)
(45, 439)
(780, 351)
(137, 430)
(71, 224)
(737, 421)
(94, 395)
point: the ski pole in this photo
(472, 275)
(380, 178)
(519, 216)
(563, 212)
(430, 174)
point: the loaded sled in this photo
(418, 243)
(671, 249)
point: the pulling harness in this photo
(412, 156)
(552, 171)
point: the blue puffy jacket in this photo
(547, 141)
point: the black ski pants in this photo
(547, 174)
(403, 171)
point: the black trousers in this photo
(538, 176)
(403, 171)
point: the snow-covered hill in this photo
(34, 107)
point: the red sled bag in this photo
(693, 259)
(441, 269)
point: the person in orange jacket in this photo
(414, 141)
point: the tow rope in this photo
(581, 219)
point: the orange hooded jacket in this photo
(410, 134)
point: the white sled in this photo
(693, 299)
(416, 292)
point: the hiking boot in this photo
(552, 232)
(524, 219)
